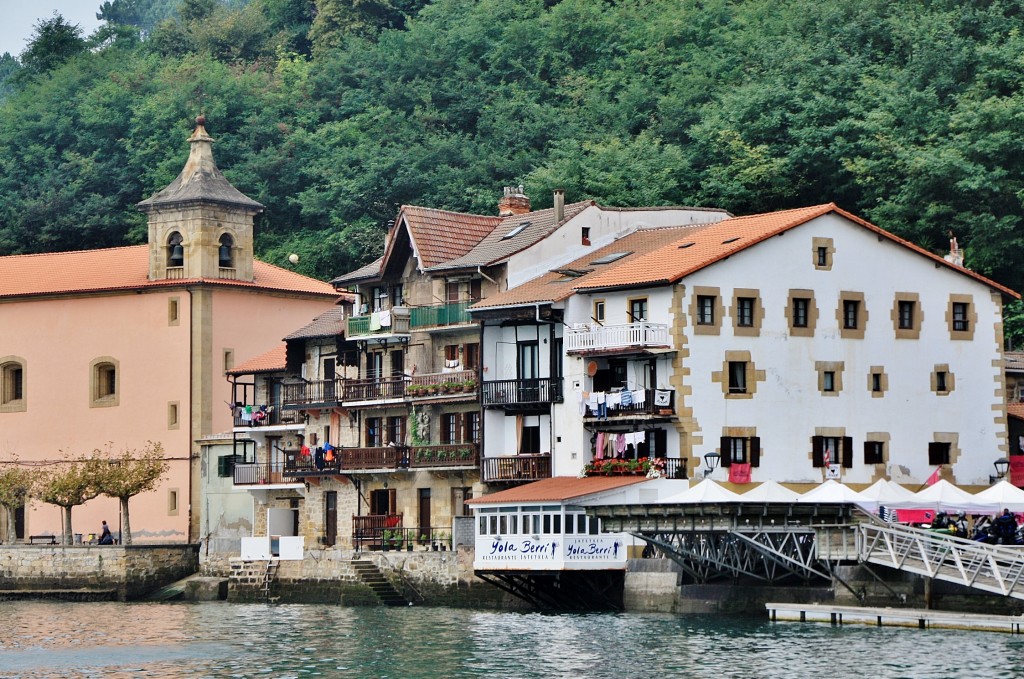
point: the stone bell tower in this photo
(200, 226)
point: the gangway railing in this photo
(992, 568)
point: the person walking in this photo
(1006, 528)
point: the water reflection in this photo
(240, 640)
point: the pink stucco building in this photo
(127, 345)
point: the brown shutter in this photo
(755, 451)
(818, 451)
(938, 453)
(726, 459)
(847, 451)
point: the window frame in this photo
(961, 317)
(104, 382)
(705, 310)
(13, 384)
(852, 301)
(811, 309)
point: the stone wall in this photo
(131, 571)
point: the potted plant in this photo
(385, 541)
(424, 540)
(443, 540)
(469, 385)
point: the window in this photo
(705, 310)
(449, 428)
(396, 430)
(823, 249)
(876, 382)
(800, 305)
(397, 295)
(586, 235)
(229, 359)
(737, 377)
(829, 380)
(528, 363)
(938, 453)
(104, 382)
(740, 450)
(475, 290)
(471, 356)
(374, 435)
(874, 452)
(906, 315)
(822, 256)
(830, 377)
(851, 313)
(829, 450)
(940, 380)
(451, 291)
(745, 312)
(529, 444)
(599, 311)
(175, 250)
(172, 502)
(12, 384)
(380, 298)
(472, 433)
(172, 415)
(960, 321)
(637, 310)
(172, 311)
(375, 365)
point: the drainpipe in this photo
(480, 271)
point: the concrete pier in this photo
(893, 617)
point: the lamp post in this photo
(711, 461)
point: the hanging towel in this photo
(375, 321)
(639, 397)
(599, 446)
(626, 399)
(613, 400)
(662, 397)
(385, 319)
(620, 444)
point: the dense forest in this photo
(334, 112)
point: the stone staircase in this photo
(371, 576)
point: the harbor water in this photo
(69, 640)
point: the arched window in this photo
(12, 384)
(226, 251)
(104, 382)
(175, 250)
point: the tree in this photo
(15, 487)
(71, 484)
(53, 43)
(128, 474)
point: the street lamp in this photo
(1001, 465)
(711, 460)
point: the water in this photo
(42, 639)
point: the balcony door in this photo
(528, 370)
(328, 376)
(424, 511)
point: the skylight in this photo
(687, 245)
(516, 231)
(613, 257)
(730, 240)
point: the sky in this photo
(21, 16)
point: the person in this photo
(106, 538)
(959, 525)
(1006, 528)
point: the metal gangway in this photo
(991, 568)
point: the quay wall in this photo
(132, 571)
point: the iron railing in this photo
(538, 391)
(258, 473)
(438, 315)
(655, 402)
(516, 468)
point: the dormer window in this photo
(175, 250)
(226, 253)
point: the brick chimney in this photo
(514, 202)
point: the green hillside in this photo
(335, 112)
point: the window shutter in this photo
(755, 451)
(818, 451)
(938, 453)
(847, 451)
(725, 451)
(392, 501)
(869, 452)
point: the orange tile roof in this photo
(557, 489)
(272, 361)
(440, 235)
(723, 239)
(1015, 410)
(555, 286)
(125, 268)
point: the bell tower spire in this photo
(200, 226)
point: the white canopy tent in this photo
(944, 496)
(770, 491)
(887, 493)
(830, 493)
(1005, 495)
(707, 491)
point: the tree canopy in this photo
(333, 113)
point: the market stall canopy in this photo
(1004, 494)
(770, 491)
(887, 493)
(946, 497)
(707, 491)
(832, 493)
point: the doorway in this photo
(424, 511)
(331, 517)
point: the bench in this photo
(42, 539)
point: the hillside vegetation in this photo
(334, 112)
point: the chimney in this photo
(956, 255)
(559, 205)
(514, 202)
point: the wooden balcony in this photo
(439, 315)
(463, 455)
(522, 394)
(373, 389)
(516, 468)
(369, 530)
(380, 457)
(607, 338)
(441, 384)
(372, 325)
(254, 416)
(314, 392)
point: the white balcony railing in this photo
(599, 337)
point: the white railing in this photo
(991, 568)
(597, 337)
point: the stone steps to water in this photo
(371, 576)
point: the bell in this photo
(177, 255)
(225, 255)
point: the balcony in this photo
(531, 394)
(440, 315)
(430, 385)
(516, 468)
(315, 392)
(656, 403)
(462, 455)
(259, 473)
(608, 338)
(379, 324)
(373, 389)
(255, 416)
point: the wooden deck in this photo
(894, 617)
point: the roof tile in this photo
(272, 361)
(331, 323)
(440, 235)
(558, 488)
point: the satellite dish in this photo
(591, 368)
